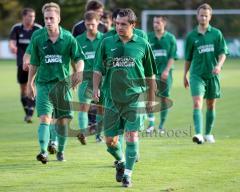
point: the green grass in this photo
(167, 163)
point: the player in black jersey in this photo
(20, 36)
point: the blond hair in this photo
(205, 6)
(51, 6)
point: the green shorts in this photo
(163, 87)
(85, 93)
(61, 107)
(120, 117)
(208, 88)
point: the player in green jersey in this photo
(127, 63)
(51, 54)
(89, 42)
(205, 53)
(164, 48)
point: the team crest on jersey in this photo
(53, 59)
(205, 48)
(123, 62)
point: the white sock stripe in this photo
(151, 118)
(128, 172)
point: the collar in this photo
(209, 29)
(46, 37)
(117, 38)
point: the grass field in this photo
(168, 163)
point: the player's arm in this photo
(165, 73)
(13, 46)
(151, 83)
(30, 84)
(218, 67)
(77, 73)
(26, 61)
(186, 69)
(97, 78)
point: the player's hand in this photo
(185, 82)
(31, 91)
(14, 50)
(76, 78)
(164, 75)
(150, 106)
(216, 70)
(96, 95)
(26, 63)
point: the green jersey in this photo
(137, 32)
(164, 49)
(53, 59)
(89, 48)
(125, 66)
(202, 50)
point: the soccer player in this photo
(51, 53)
(20, 36)
(205, 53)
(127, 61)
(107, 20)
(89, 42)
(164, 48)
(92, 5)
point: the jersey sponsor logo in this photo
(160, 53)
(90, 55)
(205, 48)
(24, 41)
(21, 35)
(123, 62)
(53, 59)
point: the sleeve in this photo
(13, 33)
(35, 59)
(149, 62)
(76, 53)
(100, 58)
(221, 45)
(29, 48)
(188, 52)
(173, 49)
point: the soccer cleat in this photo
(43, 157)
(28, 119)
(150, 129)
(99, 139)
(60, 156)
(115, 164)
(52, 148)
(198, 139)
(209, 138)
(81, 137)
(161, 131)
(126, 181)
(119, 171)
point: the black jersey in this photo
(80, 28)
(22, 38)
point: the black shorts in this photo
(22, 76)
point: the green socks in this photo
(53, 134)
(163, 117)
(132, 149)
(83, 121)
(116, 151)
(198, 120)
(62, 131)
(210, 117)
(43, 136)
(151, 119)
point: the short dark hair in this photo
(115, 13)
(205, 6)
(93, 5)
(26, 10)
(107, 15)
(161, 16)
(90, 15)
(132, 18)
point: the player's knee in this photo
(197, 102)
(111, 141)
(45, 119)
(131, 136)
